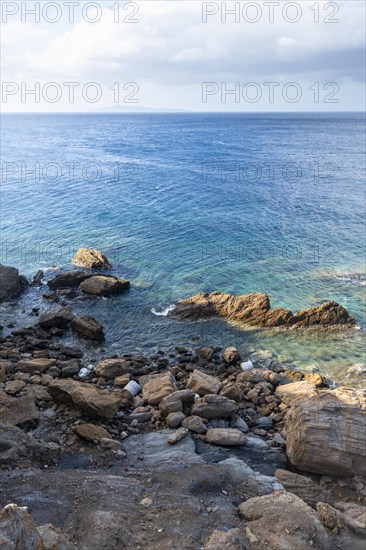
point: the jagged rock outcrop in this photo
(325, 429)
(18, 531)
(254, 310)
(91, 259)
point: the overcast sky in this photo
(182, 54)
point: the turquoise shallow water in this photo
(189, 202)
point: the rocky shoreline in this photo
(195, 447)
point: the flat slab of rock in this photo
(17, 410)
(10, 282)
(101, 285)
(91, 432)
(227, 437)
(254, 310)
(70, 279)
(214, 406)
(32, 365)
(326, 432)
(95, 402)
(156, 389)
(58, 319)
(112, 368)
(203, 384)
(91, 259)
(88, 327)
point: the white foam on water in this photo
(165, 312)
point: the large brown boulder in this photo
(156, 389)
(94, 402)
(101, 285)
(282, 520)
(16, 411)
(203, 384)
(111, 368)
(11, 283)
(325, 429)
(91, 259)
(254, 310)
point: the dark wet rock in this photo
(205, 353)
(231, 355)
(59, 319)
(91, 259)
(70, 279)
(37, 278)
(11, 283)
(101, 285)
(88, 327)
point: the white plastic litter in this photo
(133, 387)
(247, 365)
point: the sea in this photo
(188, 202)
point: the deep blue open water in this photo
(187, 202)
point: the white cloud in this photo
(172, 48)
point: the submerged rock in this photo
(101, 285)
(254, 310)
(91, 259)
